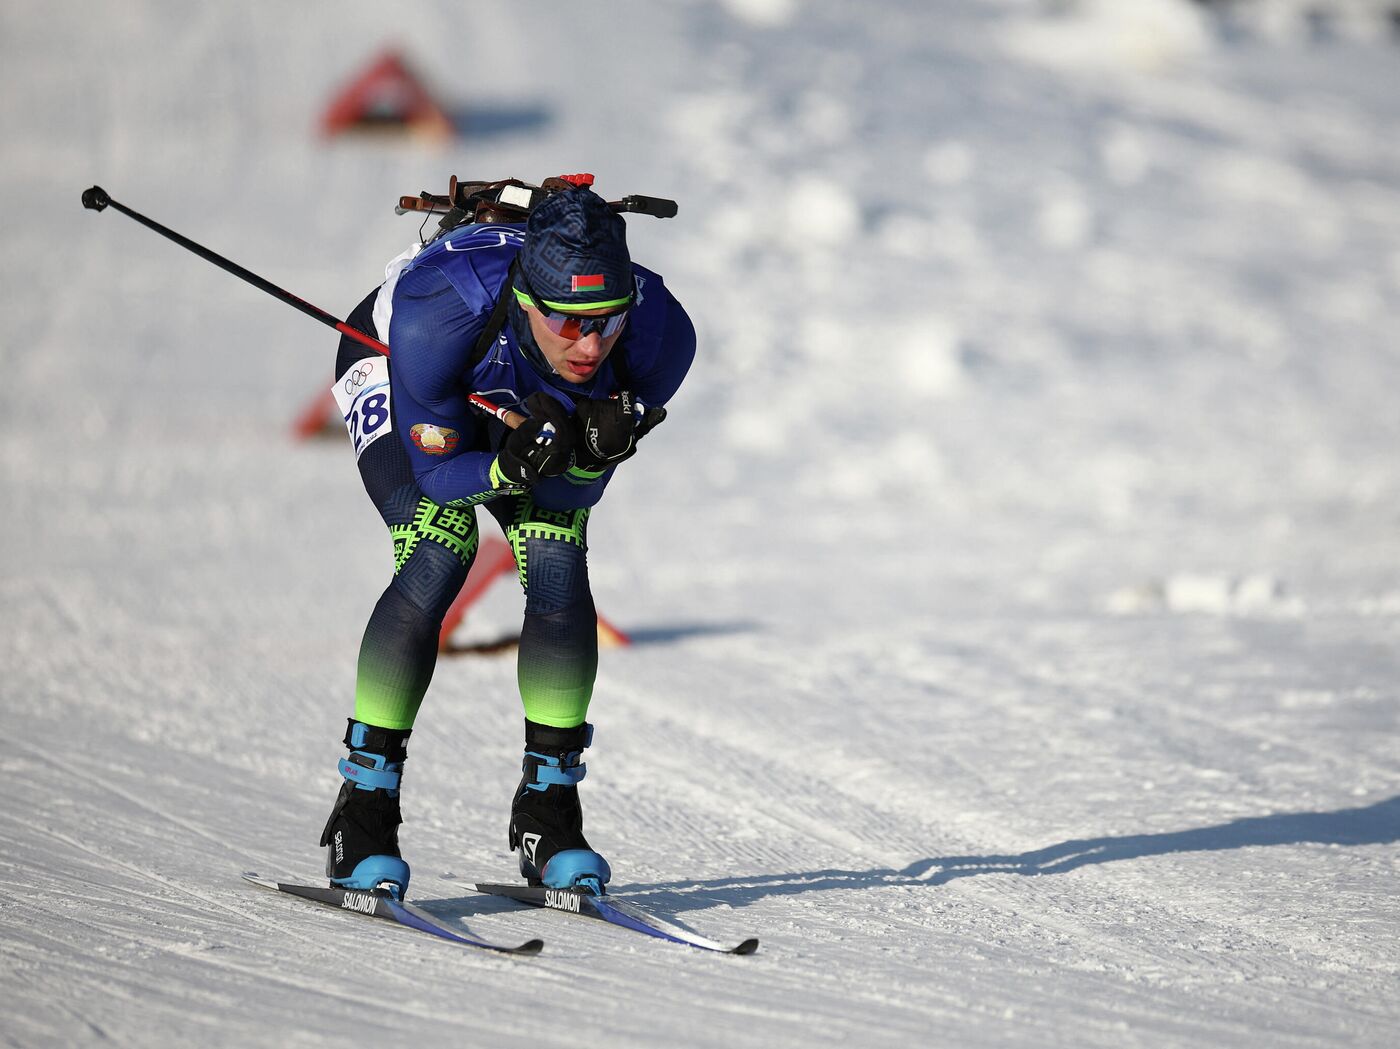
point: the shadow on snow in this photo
(657, 635)
(1377, 824)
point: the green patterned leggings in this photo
(434, 547)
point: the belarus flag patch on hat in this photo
(587, 282)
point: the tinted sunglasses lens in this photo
(611, 324)
(570, 327)
(563, 325)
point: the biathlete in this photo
(552, 319)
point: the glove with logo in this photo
(542, 446)
(607, 431)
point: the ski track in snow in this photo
(1014, 582)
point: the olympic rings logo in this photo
(357, 378)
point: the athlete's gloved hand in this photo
(542, 446)
(607, 431)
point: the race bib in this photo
(363, 396)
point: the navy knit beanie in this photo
(575, 254)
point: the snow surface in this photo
(1016, 583)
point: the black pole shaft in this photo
(96, 199)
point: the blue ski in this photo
(382, 905)
(612, 910)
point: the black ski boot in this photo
(546, 822)
(362, 835)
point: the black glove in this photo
(607, 431)
(542, 446)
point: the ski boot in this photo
(546, 822)
(362, 835)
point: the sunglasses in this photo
(570, 325)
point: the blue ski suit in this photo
(425, 454)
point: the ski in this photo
(382, 905)
(612, 910)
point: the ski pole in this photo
(97, 199)
(510, 418)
